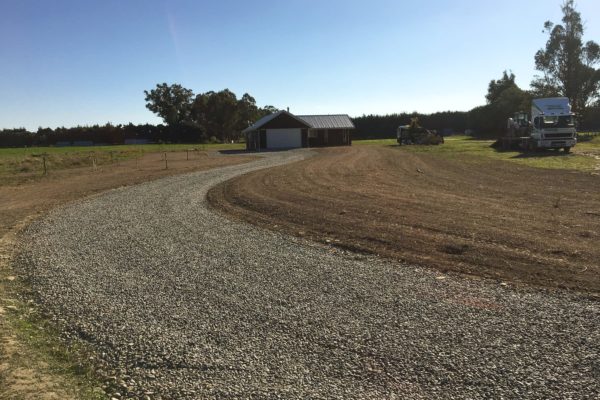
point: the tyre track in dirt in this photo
(178, 301)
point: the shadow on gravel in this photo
(236, 152)
(255, 152)
(538, 154)
(531, 154)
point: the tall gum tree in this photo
(567, 63)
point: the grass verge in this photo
(34, 362)
(17, 163)
(583, 158)
(42, 361)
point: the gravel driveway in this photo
(183, 303)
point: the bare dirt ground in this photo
(490, 219)
(25, 370)
(41, 194)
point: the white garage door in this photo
(283, 138)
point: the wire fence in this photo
(586, 136)
(17, 168)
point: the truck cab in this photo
(553, 124)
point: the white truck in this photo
(552, 126)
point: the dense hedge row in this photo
(101, 134)
(483, 121)
(384, 126)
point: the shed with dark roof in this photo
(284, 130)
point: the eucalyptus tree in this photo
(170, 102)
(568, 65)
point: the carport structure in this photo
(284, 130)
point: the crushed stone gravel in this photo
(177, 301)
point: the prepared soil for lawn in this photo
(484, 218)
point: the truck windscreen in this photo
(563, 121)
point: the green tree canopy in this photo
(248, 112)
(223, 115)
(567, 63)
(170, 102)
(496, 87)
(219, 114)
(504, 98)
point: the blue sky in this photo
(85, 62)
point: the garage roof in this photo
(268, 118)
(339, 121)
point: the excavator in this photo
(416, 134)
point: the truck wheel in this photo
(530, 146)
(567, 150)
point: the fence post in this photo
(166, 162)
(44, 162)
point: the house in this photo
(284, 130)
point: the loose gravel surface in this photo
(177, 301)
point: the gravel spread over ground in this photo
(177, 301)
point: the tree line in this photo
(96, 135)
(566, 68)
(212, 114)
(384, 126)
(483, 122)
(207, 117)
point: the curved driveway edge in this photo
(179, 302)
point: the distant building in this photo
(284, 130)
